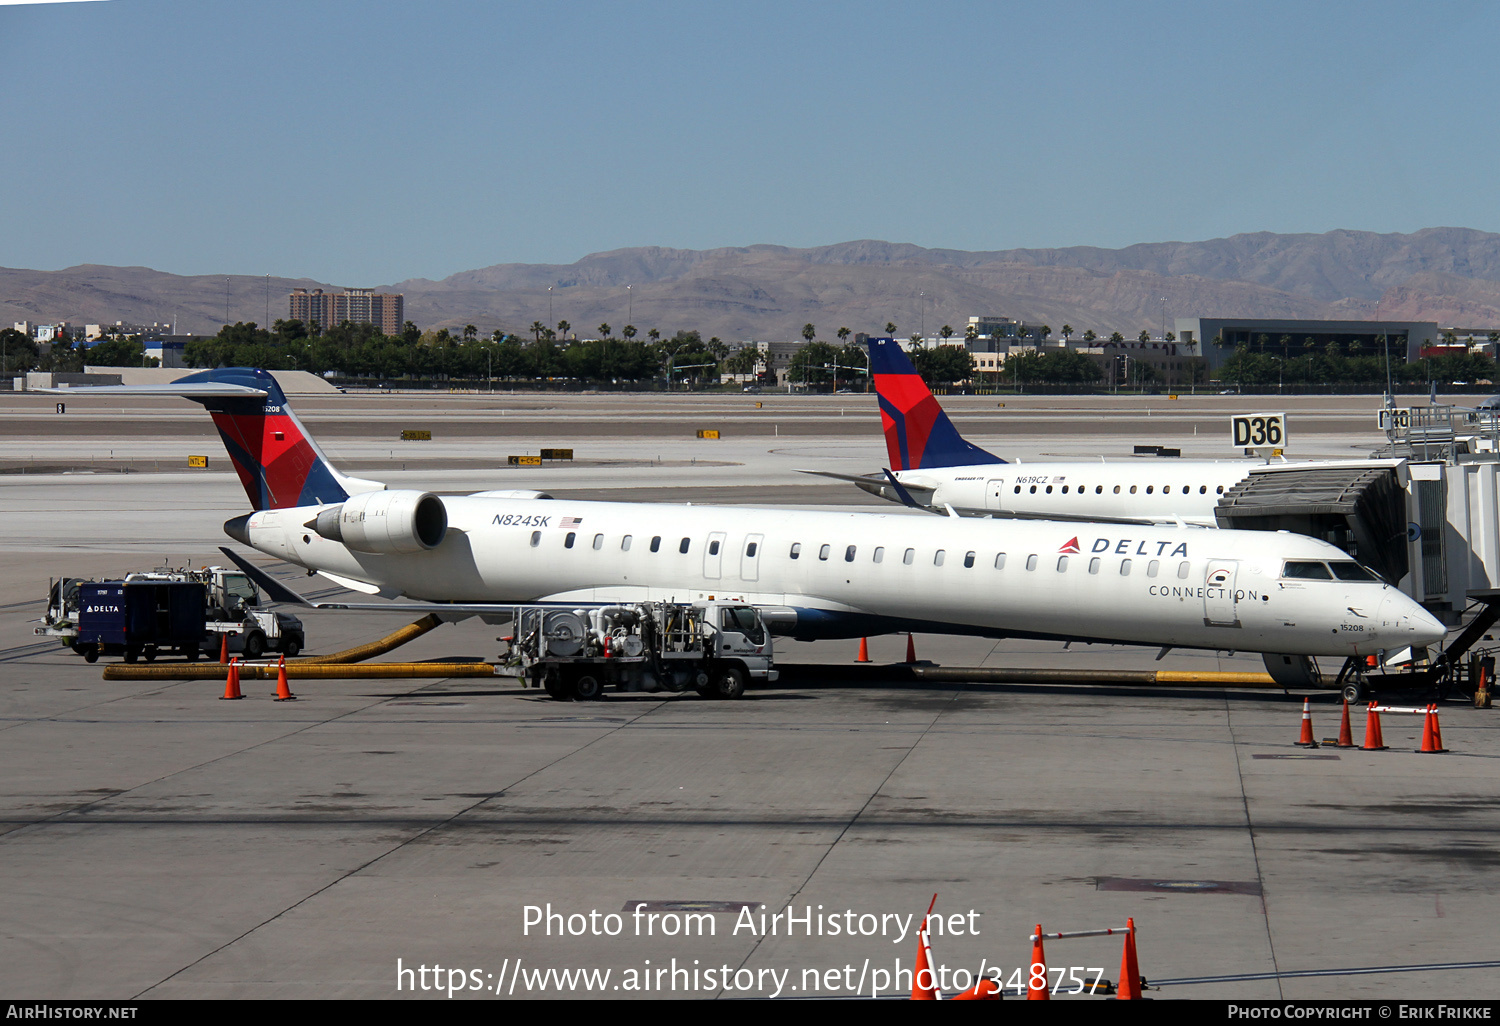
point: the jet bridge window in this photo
(823, 552)
(1304, 571)
(683, 546)
(1351, 571)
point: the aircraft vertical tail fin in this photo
(278, 462)
(918, 434)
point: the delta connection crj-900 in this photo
(813, 574)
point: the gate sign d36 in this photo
(1258, 430)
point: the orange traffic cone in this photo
(911, 649)
(283, 693)
(1374, 739)
(1034, 990)
(1432, 737)
(1130, 972)
(223, 649)
(923, 979)
(1346, 736)
(232, 681)
(985, 989)
(1306, 740)
(864, 651)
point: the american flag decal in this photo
(570, 521)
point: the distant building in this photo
(385, 310)
(1404, 340)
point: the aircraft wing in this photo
(1006, 514)
(880, 485)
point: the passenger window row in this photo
(1150, 489)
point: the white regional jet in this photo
(813, 574)
(933, 467)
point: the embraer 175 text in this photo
(813, 574)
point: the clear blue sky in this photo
(361, 143)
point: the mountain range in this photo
(1448, 275)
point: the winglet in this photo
(901, 493)
(274, 589)
(918, 434)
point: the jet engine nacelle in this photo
(385, 522)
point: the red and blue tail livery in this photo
(918, 434)
(277, 461)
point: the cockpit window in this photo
(1306, 571)
(1351, 571)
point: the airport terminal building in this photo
(1405, 339)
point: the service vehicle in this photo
(716, 648)
(149, 613)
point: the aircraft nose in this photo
(1412, 624)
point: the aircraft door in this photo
(713, 556)
(750, 557)
(1219, 604)
(994, 494)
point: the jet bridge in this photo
(1425, 517)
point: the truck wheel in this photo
(730, 683)
(132, 654)
(555, 688)
(91, 654)
(587, 687)
(150, 653)
(1356, 693)
(292, 646)
(191, 653)
(255, 645)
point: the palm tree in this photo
(890, 329)
(971, 333)
(536, 330)
(1067, 332)
(1144, 336)
(628, 331)
(604, 331)
(654, 335)
(470, 333)
(809, 333)
(946, 332)
(562, 328)
(1116, 338)
(1090, 337)
(843, 334)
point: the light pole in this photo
(550, 318)
(629, 306)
